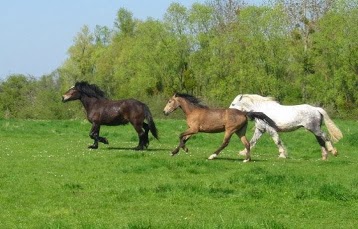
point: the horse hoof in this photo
(335, 152)
(138, 148)
(282, 156)
(175, 152)
(247, 160)
(93, 147)
(213, 156)
(105, 141)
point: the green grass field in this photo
(49, 179)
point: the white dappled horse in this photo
(288, 118)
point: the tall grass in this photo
(49, 179)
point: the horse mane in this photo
(91, 90)
(192, 99)
(258, 98)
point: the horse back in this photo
(291, 117)
(131, 110)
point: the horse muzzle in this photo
(64, 99)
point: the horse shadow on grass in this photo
(132, 149)
(236, 159)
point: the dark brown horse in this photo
(203, 119)
(102, 111)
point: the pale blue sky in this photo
(36, 34)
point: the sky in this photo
(35, 35)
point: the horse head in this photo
(71, 94)
(83, 88)
(240, 103)
(171, 105)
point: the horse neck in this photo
(87, 102)
(186, 106)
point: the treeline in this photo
(296, 51)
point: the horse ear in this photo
(175, 94)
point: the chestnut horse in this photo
(200, 118)
(102, 111)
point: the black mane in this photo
(192, 99)
(91, 90)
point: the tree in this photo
(124, 22)
(17, 94)
(177, 45)
(81, 55)
(336, 56)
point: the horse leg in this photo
(328, 144)
(322, 140)
(182, 142)
(257, 135)
(226, 141)
(94, 134)
(141, 136)
(241, 134)
(276, 138)
(183, 138)
(145, 137)
(322, 143)
(103, 140)
(330, 148)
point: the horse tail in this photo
(260, 115)
(333, 130)
(151, 124)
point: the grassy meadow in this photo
(49, 179)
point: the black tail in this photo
(151, 124)
(262, 116)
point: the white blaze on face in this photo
(65, 97)
(68, 95)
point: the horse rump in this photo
(148, 116)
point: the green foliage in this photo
(293, 51)
(49, 179)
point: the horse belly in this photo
(211, 128)
(212, 122)
(218, 130)
(116, 122)
(113, 119)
